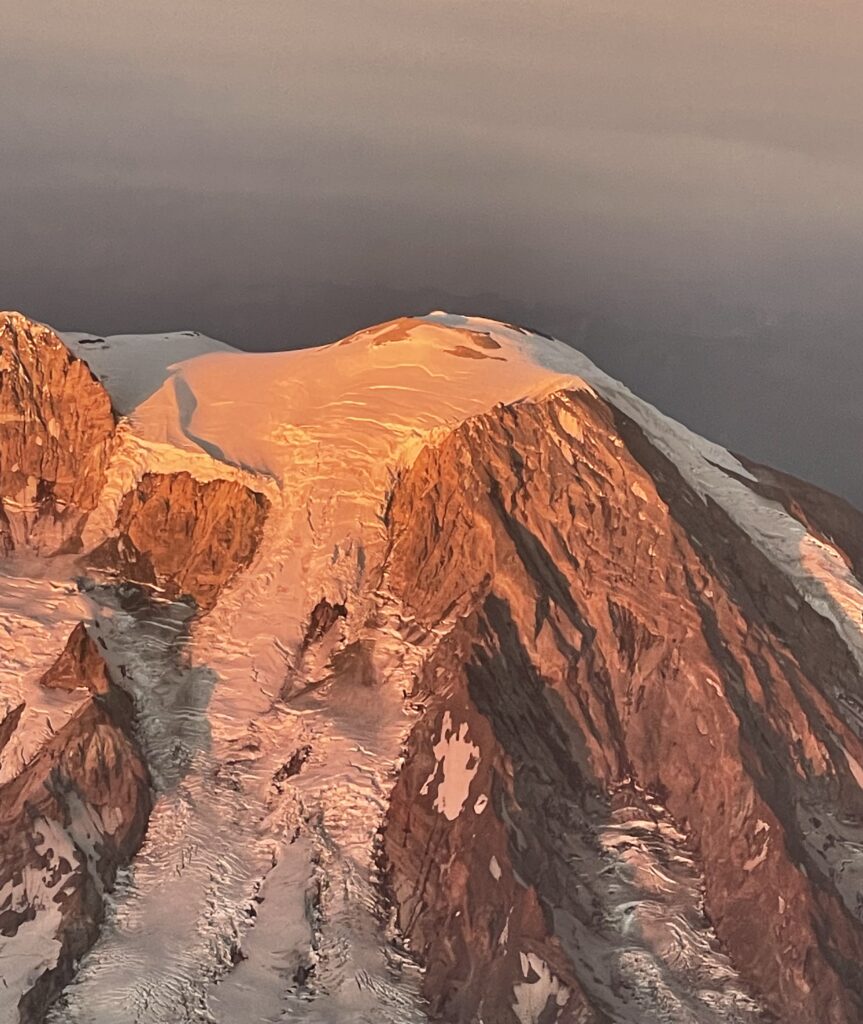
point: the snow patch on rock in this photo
(457, 762)
(35, 947)
(533, 994)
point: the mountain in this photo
(427, 676)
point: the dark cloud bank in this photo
(676, 187)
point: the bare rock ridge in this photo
(9, 724)
(80, 666)
(529, 706)
(637, 770)
(56, 428)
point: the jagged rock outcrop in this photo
(636, 795)
(68, 821)
(8, 725)
(185, 536)
(79, 666)
(6, 544)
(56, 427)
(324, 616)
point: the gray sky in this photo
(677, 185)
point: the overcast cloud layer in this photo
(676, 185)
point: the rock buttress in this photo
(186, 536)
(633, 795)
(56, 428)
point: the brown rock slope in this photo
(636, 793)
(56, 427)
(56, 437)
(80, 665)
(187, 537)
(76, 813)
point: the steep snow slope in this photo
(272, 752)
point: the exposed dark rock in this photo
(293, 765)
(187, 537)
(324, 616)
(79, 665)
(9, 725)
(56, 428)
(6, 543)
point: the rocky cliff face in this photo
(57, 435)
(187, 537)
(80, 666)
(636, 793)
(56, 427)
(68, 820)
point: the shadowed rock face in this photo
(9, 724)
(74, 814)
(636, 794)
(187, 537)
(56, 427)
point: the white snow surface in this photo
(133, 366)
(456, 763)
(323, 433)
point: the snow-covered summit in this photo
(367, 395)
(459, 517)
(326, 428)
